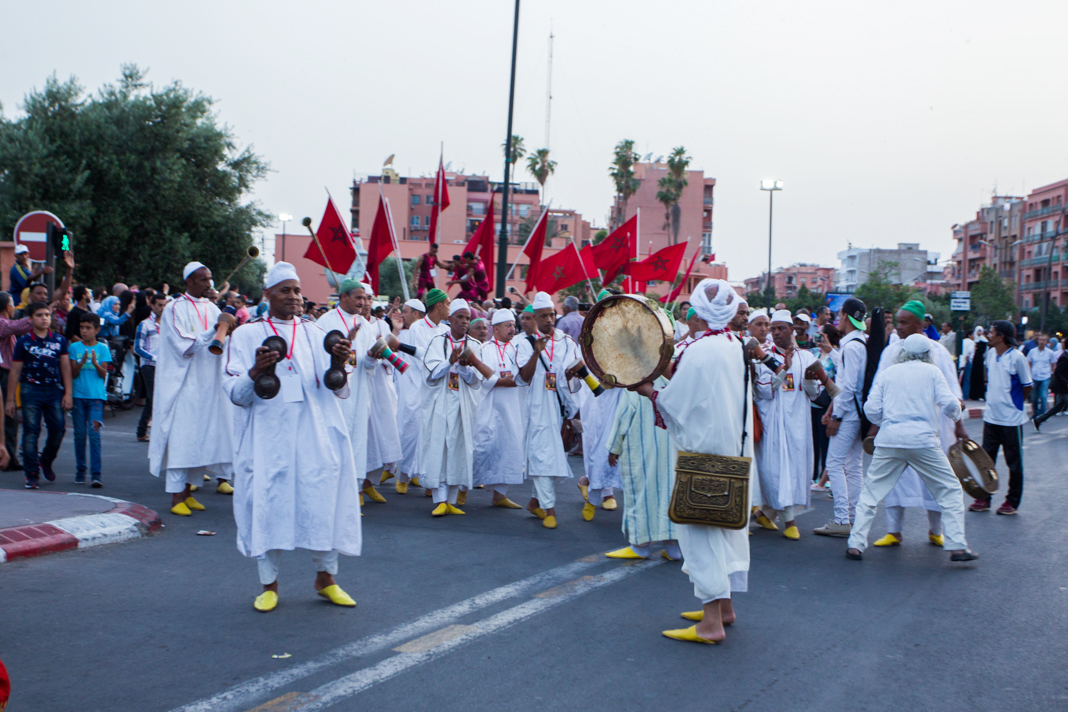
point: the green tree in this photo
(991, 299)
(517, 150)
(671, 187)
(389, 281)
(145, 177)
(622, 172)
(879, 291)
(599, 236)
(806, 299)
(540, 166)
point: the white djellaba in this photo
(411, 394)
(499, 433)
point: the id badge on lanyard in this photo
(788, 383)
(454, 381)
(292, 390)
(550, 381)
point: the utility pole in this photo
(771, 186)
(502, 241)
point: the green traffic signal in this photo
(66, 243)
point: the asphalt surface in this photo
(164, 622)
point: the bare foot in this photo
(726, 611)
(711, 627)
(271, 586)
(322, 580)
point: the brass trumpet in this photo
(252, 253)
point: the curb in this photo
(972, 413)
(122, 522)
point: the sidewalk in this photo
(34, 522)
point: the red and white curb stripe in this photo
(124, 521)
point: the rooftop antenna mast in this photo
(549, 87)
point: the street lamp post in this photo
(771, 186)
(284, 217)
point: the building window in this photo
(476, 208)
(426, 220)
(415, 222)
(416, 200)
(524, 210)
(706, 243)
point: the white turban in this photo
(415, 304)
(456, 305)
(543, 301)
(718, 311)
(280, 273)
(190, 269)
(503, 315)
(757, 313)
(782, 315)
(917, 344)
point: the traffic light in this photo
(61, 238)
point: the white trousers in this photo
(704, 552)
(500, 489)
(179, 477)
(788, 515)
(599, 496)
(845, 469)
(931, 464)
(545, 491)
(446, 493)
(896, 515)
(268, 564)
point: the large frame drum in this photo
(627, 340)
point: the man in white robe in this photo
(192, 419)
(454, 375)
(703, 408)
(499, 433)
(785, 449)
(910, 490)
(296, 477)
(760, 328)
(383, 439)
(543, 364)
(643, 453)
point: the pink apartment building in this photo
(788, 280)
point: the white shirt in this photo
(850, 376)
(907, 402)
(1006, 377)
(1041, 362)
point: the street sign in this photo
(32, 230)
(960, 301)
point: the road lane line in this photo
(349, 685)
(433, 640)
(243, 695)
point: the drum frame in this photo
(667, 349)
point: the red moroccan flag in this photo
(441, 200)
(535, 245)
(336, 241)
(663, 265)
(613, 252)
(674, 294)
(563, 269)
(482, 243)
(380, 244)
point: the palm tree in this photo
(517, 149)
(671, 187)
(622, 172)
(541, 167)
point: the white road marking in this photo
(247, 693)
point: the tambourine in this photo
(267, 384)
(974, 468)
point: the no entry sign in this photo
(32, 230)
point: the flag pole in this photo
(685, 277)
(543, 213)
(396, 247)
(307, 223)
(582, 265)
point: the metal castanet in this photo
(981, 483)
(626, 340)
(335, 377)
(267, 384)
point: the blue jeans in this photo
(40, 401)
(966, 382)
(86, 412)
(1039, 397)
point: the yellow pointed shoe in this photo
(386, 477)
(461, 498)
(584, 490)
(441, 510)
(625, 553)
(888, 540)
(762, 520)
(266, 601)
(538, 512)
(373, 494)
(697, 616)
(415, 481)
(507, 504)
(549, 522)
(669, 557)
(402, 487)
(935, 539)
(194, 488)
(224, 488)
(207, 478)
(453, 509)
(791, 533)
(361, 499)
(588, 510)
(181, 510)
(609, 504)
(193, 504)
(689, 635)
(338, 597)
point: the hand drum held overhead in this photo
(335, 377)
(267, 384)
(626, 340)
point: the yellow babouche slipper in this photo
(193, 504)
(338, 597)
(669, 557)
(609, 504)
(402, 487)
(181, 510)
(689, 635)
(792, 533)
(461, 498)
(441, 510)
(549, 522)
(693, 615)
(194, 488)
(361, 499)
(762, 520)
(207, 478)
(415, 481)
(373, 494)
(453, 509)
(538, 512)
(386, 477)
(584, 490)
(224, 488)
(266, 601)
(935, 539)
(888, 540)
(625, 553)
(588, 510)
(507, 504)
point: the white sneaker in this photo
(833, 528)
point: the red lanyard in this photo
(204, 319)
(452, 344)
(291, 343)
(552, 346)
(500, 350)
(341, 313)
(429, 323)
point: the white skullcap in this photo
(456, 305)
(542, 301)
(367, 289)
(719, 310)
(782, 315)
(190, 269)
(19, 249)
(503, 315)
(757, 313)
(917, 344)
(415, 304)
(280, 273)
(803, 317)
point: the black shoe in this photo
(1034, 422)
(32, 484)
(48, 472)
(965, 555)
(79, 479)
(854, 556)
(97, 484)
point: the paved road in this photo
(491, 611)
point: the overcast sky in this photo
(888, 122)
